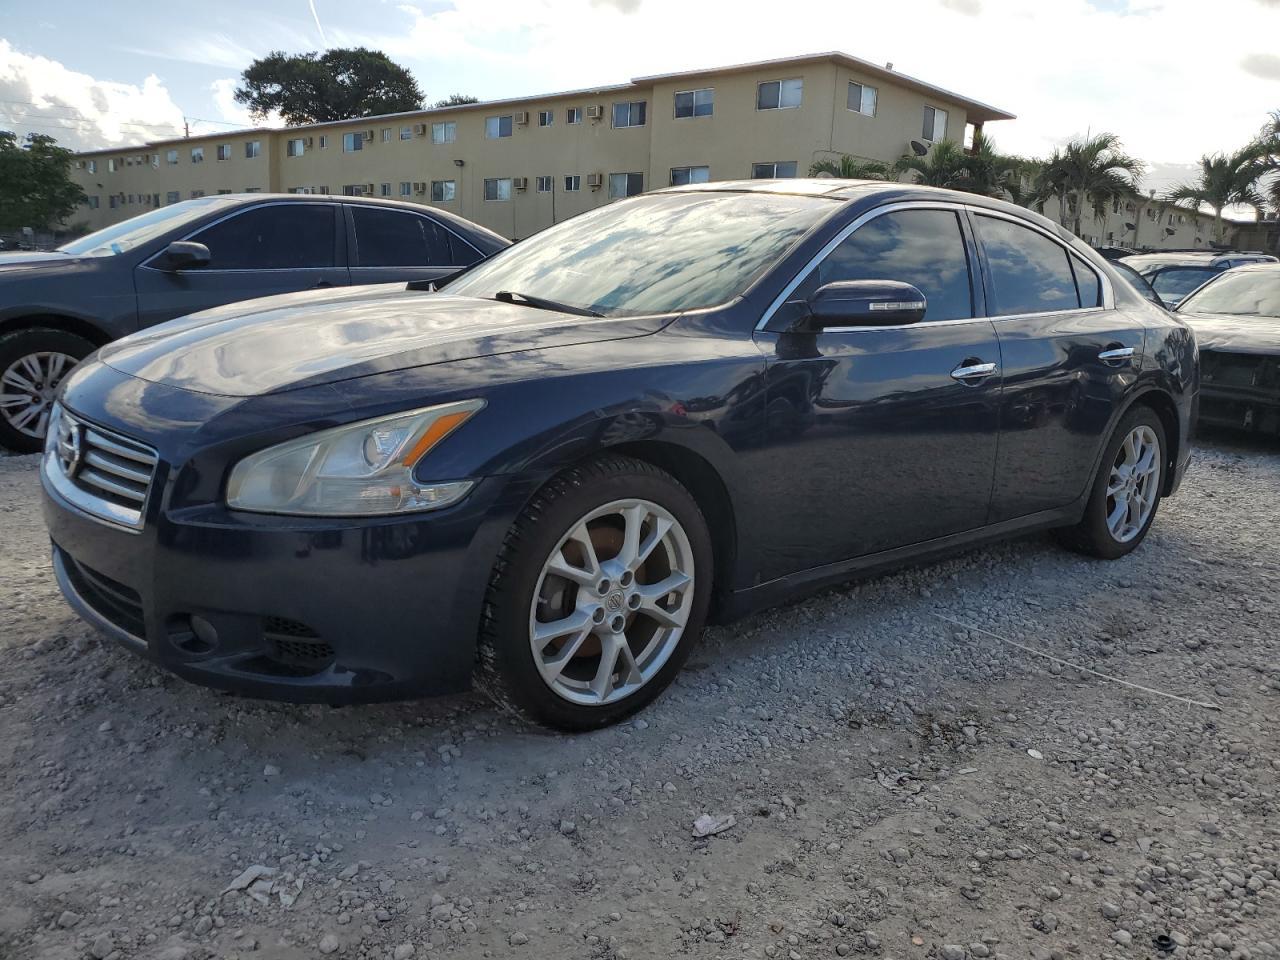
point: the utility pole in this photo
(186, 129)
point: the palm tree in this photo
(1225, 179)
(854, 168)
(1266, 147)
(946, 165)
(1093, 172)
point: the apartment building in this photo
(1149, 223)
(519, 165)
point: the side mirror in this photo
(865, 303)
(185, 255)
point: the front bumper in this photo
(317, 611)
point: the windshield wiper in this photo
(542, 303)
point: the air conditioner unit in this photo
(368, 189)
(419, 129)
(520, 183)
(419, 187)
(521, 116)
(595, 180)
(367, 136)
(595, 111)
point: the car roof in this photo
(1196, 257)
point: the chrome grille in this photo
(99, 471)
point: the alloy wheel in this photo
(612, 602)
(1134, 483)
(28, 387)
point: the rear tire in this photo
(577, 631)
(32, 364)
(1126, 492)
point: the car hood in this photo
(303, 339)
(1231, 334)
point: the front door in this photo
(1068, 361)
(256, 252)
(880, 437)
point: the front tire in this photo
(33, 363)
(1127, 490)
(600, 591)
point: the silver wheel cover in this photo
(27, 388)
(612, 601)
(1133, 484)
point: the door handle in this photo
(1116, 353)
(970, 372)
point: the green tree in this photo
(456, 100)
(1091, 172)
(36, 189)
(854, 168)
(1266, 147)
(1224, 180)
(335, 85)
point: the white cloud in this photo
(39, 95)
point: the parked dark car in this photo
(1175, 274)
(1139, 283)
(691, 403)
(1236, 319)
(57, 307)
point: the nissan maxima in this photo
(547, 477)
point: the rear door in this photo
(254, 252)
(1068, 357)
(389, 245)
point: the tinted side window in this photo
(1029, 272)
(920, 247)
(1087, 283)
(1177, 282)
(389, 238)
(278, 237)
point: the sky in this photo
(1175, 79)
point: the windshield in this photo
(123, 237)
(1251, 293)
(1174, 283)
(654, 254)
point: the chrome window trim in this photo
(1108, 295)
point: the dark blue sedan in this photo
(548, 476)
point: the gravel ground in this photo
(901, 788)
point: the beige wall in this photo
(729, 142)
(1153, 219)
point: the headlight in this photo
(361, 469)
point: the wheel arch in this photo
(1165, 408)
(66, 323)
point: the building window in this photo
(544, 184)
(171, 157)
(546, 118)
(351, 142)
(862, 98)
(695, 103)
(295, 148)
(93, 166)
(196, 193)
(384, 190)
(324, 142)
(498, 189)
(406, 188)
(252, 189)
(769, 171)
(353, 189)
(113, 201)
(406, 133)
(572, 184)
(386, 134)
(442, 191)
(171, 196)
(629, 114)
(496, 128)
(197, 154)
(935, 124)
(682, 175)
(625, 185)
(779, 94)
(111, 165)
(573, 115)
(220, 192)
(92, 202)
(252, 148)
(224, 152)
(446, 132)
